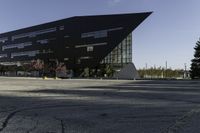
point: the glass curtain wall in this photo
(122, 54)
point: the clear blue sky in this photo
(169, 34)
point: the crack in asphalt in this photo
(34, 127)
(5, 111)
(4, 125)
(12, 114)
(62, 126)
(182, 121)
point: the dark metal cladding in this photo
(81, 41)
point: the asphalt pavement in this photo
(29, 105)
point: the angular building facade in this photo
(80, 43)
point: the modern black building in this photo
(79, 42)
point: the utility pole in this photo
(146, 65)
(146, 70)
(166, 69)
(185, 72)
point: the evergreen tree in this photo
(195, 66)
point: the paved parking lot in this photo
(98, 106)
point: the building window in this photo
(90, 49)
(3, 55)
(20, 36)
(33, 34)
(100, 33)
(66, 36)
(45, 41)
(3, 40)
(95, 34)
(19, 46)
(26, 53)
(90, 45)
(44, 31)
(66, 59)
(115, 29)
(61, 27)
(85, 57)
(46, 51)
(78, 61)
